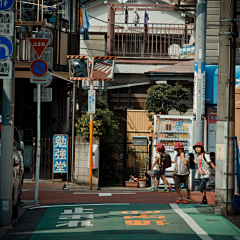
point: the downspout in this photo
(228, 106)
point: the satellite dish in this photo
(122, 1)
(173, 51)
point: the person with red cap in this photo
(204, 170)
(181, 172)
(160, 157)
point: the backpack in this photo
(191, 163)
(167, 159)
(212, 158)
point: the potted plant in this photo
(132, 182)
(143, 161)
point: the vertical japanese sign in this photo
(195, 89)
(91, 101)
(212, 122)
(60, 153)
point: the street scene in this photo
(119, 119)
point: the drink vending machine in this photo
(169, 129)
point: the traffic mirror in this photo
(103, 69)
(78, 67)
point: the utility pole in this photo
(7, 134)
(199, 76)
(199, 72)
(226, 109)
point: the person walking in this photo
(181, 172)
(160, 162)
(204, 162)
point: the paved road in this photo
(122, 221)
(118, 215)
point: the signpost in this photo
(39, 45)
(7, 67)
(6, 23)
(91, 101)
(39, 67)
(5, 48)
(5, 5)
(60, 154)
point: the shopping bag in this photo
(197, 175)
(150, 173)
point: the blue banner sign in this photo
(60, 153)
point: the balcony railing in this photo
(151, 40)
(63, 42)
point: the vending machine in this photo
(169, 129)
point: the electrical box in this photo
(140, 141)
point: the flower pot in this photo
(142, 183)
(131, 184)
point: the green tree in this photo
(164, 97)
(106, 128)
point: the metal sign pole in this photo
(38, 143)
(73, 130)
(90, 142)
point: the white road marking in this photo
(74, 205)
(191, 223)
(108, 70)
(103, 194)
(104, 69)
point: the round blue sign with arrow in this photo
(5, 47)
(6, 4)
(39, 67)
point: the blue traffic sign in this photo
(5, 47)
(60, 153)
(39, 67)
(6, 4)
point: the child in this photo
(181, 172)
(160, 168)
(204, 163)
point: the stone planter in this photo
(142, 183)
(131, 184)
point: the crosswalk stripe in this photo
(191, 223)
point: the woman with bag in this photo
(181, 172)
(160, 163)
(204, 170)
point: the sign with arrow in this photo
(39, 45)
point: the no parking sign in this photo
(39, 67)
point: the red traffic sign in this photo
(39, 45)
(39, 67)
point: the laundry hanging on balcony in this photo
(136, 18)
(126, 19)
(146, 17)
(84, 23)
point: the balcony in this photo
(151, 40)
(64, 42)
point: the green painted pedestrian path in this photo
(133, 221)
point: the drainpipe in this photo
(228, 106)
